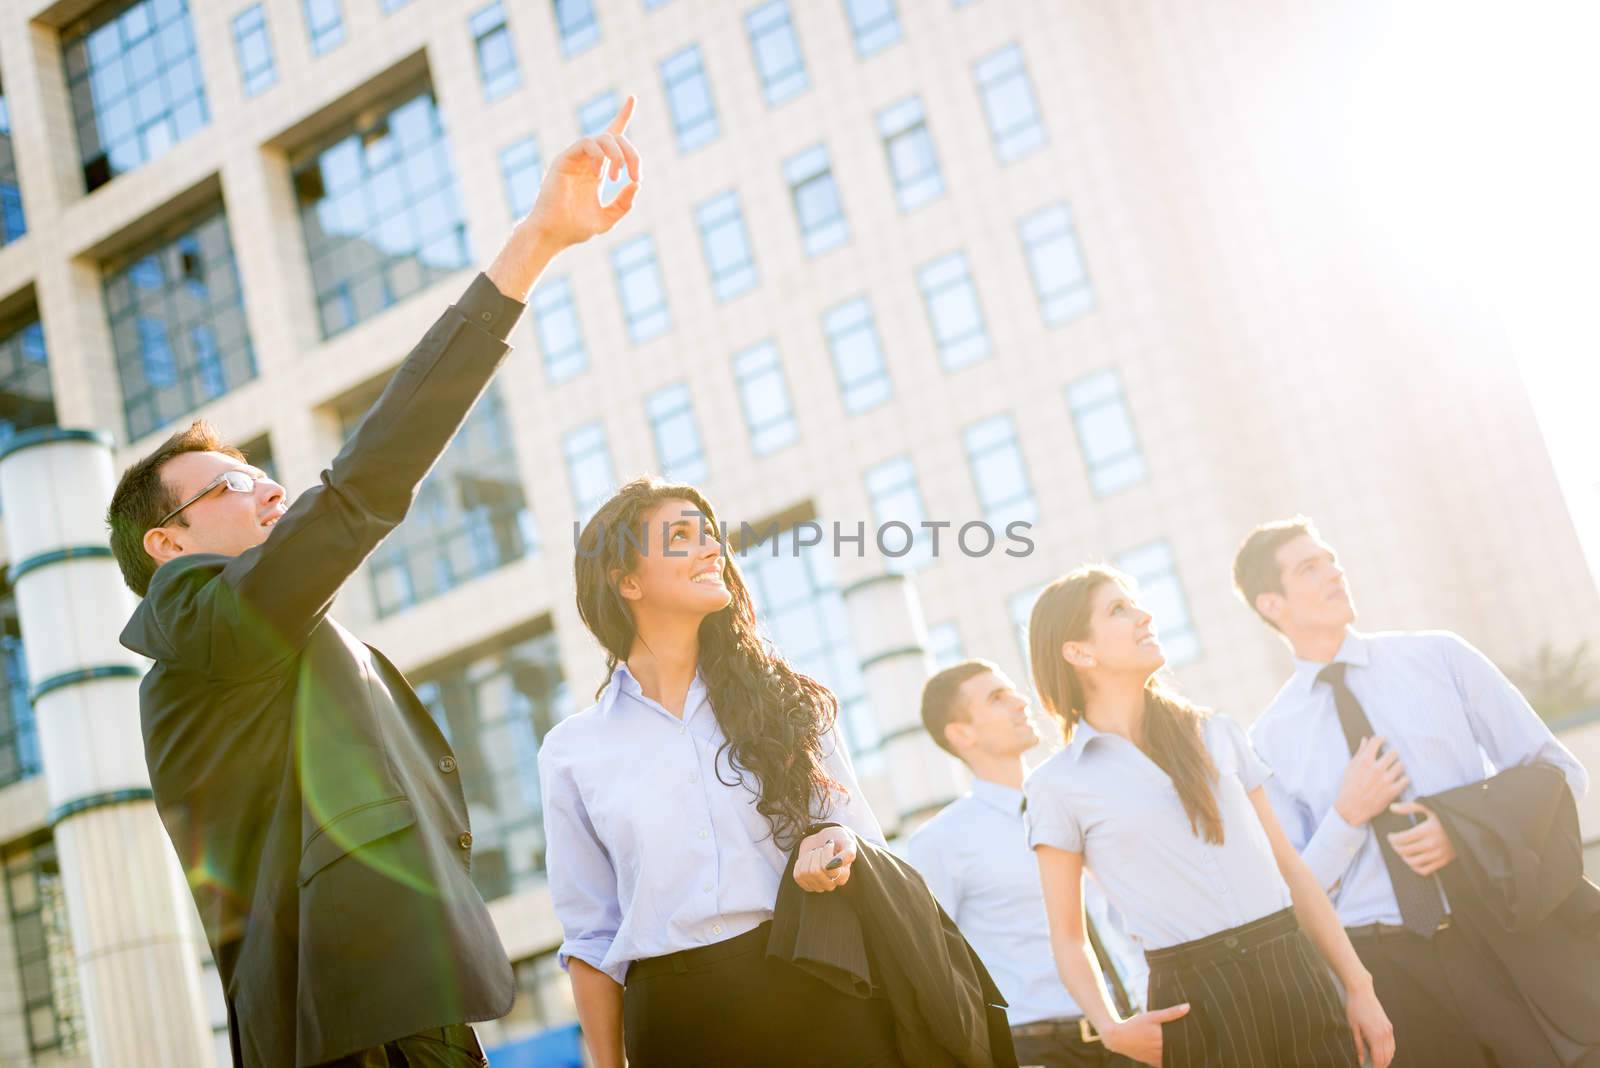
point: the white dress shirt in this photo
(975, 857)
(1103, 797)
(1453, 717)
(648, 849)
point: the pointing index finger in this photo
(624, 113)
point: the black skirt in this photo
(1259, 997)
(729, 1004)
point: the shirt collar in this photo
(1354, 650)
(623, 682)
(1082, 735)
(996, 796)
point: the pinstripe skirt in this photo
(1259, 997)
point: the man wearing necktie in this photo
(1365, 726)
(975, 858)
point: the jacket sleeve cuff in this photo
(484, 306)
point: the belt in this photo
(698, 957)
(1392, 932)
(1232, 944)
(1076, 1025)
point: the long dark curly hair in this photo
(773, 718)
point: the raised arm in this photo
(284, 586)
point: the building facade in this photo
(933, 268)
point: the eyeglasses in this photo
(236, 480)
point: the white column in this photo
(137, 959)
(891, 637)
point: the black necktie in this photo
(1108, 966)
(1421, 907)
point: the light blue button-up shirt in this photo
(648, 849)
(1103, 797)
(1453, 717)
(974, 855)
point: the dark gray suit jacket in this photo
(1518, 887)
(313, 802)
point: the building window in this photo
(469, 517)
(944, 645)
(678, 447)
(892, 489)
(52, 1013)
(1105, 432)
(777, 52)
(177, 321)
(324, 24)
(593, 117)
(522, 170)
(726, 243)
(694, 117)
(12, 223)
(999, 473)
(19, 735)
(913, 164)
(817, 206)
(497, 60)
(875, 25)
(764, 396)
(1008, 101)
(589, 468)
(954, 311)
(26, 397)
(1056, 260)
(644, 299)
(857, 355)
(1020, 607)
(495, 710)
(575, 25)
(392, 5)
(796, 595)
(561, 339)
(253, 45)
(1154, 571)
(135, 84)
(380, 213)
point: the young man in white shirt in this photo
(974, 855)
(1367, 724)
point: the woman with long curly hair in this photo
(1163, 802)
(671, 807)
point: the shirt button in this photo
(706, 888)
(693, 778)
(717, 929)
(465, 841)
(703, 835)
(683, 730)
(447, 764)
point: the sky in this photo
(1474, 128)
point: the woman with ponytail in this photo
(671, 807)
(1163, 802)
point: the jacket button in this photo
(447, 764)
(465, 841)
